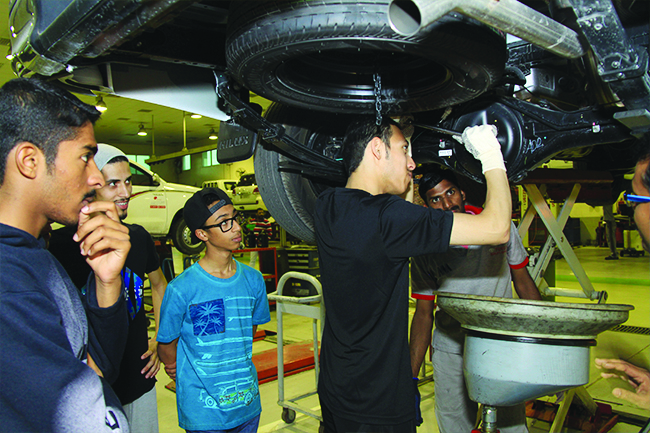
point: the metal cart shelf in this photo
(308, 306)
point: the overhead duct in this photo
(407, 17)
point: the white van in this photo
(157, 205)
(244, 193)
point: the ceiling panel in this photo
(119, 125)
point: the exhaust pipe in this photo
(407, 17)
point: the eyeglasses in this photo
(227, 224)
(631, 198)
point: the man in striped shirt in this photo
(262, 229)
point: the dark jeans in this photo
(249, 426)
(335, 424)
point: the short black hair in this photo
(39, 112)
(432, 176)
(359, 134)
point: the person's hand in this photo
(418, 413)
(104, 241)
(170, 369)
(638, 377)
(91, 363)
(481, 141)
(153, 366)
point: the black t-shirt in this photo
(142, 259)
(364, 245)
(68, 253)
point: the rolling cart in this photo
(307, 306)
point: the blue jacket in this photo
(45, 329)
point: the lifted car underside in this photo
(570, 82)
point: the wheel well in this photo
(177, 216)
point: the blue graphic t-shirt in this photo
(216, 381)
(134, 284)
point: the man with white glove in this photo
(481, 141)
(366, 234)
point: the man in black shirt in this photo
(135, 385)
(365, 235)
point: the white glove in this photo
(481, 141)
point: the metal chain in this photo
(377, 78)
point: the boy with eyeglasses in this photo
(209, 316)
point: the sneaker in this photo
(612, 257)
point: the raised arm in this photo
(492, 226)
(105, 243)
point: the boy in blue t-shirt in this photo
(208, 318)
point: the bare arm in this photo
(492, 226)
(421, 328)
(524, 284)
(158, 286)
(167, 354)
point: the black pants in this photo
(336, 424)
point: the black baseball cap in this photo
(196, 212)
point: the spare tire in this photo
(290, 196)
(323, 54)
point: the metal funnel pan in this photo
(540, 319)
(504, 373)
(549, 338)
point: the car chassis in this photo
(575, 86)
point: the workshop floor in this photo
(627, 281)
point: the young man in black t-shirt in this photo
(365, 235)
(135, 385)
